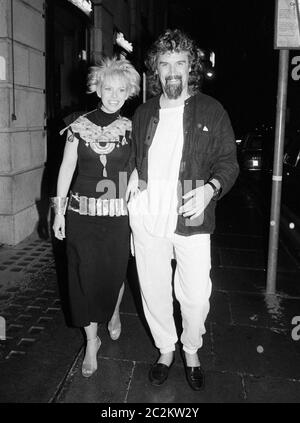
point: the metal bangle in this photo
(59, 205)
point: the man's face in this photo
(173, 71)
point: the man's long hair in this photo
(175, 41)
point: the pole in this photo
(144, 87)
(277, 170)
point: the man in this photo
(185, 161)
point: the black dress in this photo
(98, 246)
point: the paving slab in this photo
(109, 384)
(270, 311)
(255, 351)
(36, 375)
(238, 279)
(220, 310)
(220, 387)
(271, 390)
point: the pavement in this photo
(251, 350)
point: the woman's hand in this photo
(133, 186)
(59, 227)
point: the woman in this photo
(97, 229)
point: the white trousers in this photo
(192, 284)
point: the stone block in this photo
(36, 4)
(7, 230)
(26, 189)
(6, 187)
(36, 109)
(5, 153)
(25, 223)
(37, 70)
(20, 151)
(4, 107)
(4, 18)
(15, 228)
(30, 107)
(4, 60)
(29, 26)
(38, 148)
(21, 55)
(21, 100)
(20, 191)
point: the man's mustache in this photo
(172, 77)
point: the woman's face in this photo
(113, 93)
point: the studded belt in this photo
(96, 206)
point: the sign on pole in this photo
(287, 24)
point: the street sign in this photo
(287, 24)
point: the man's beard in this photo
(172, 90)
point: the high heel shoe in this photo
(114, 332)
(89, 369)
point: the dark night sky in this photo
(241, 33)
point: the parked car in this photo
(255, 152)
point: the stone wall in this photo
(22, 140)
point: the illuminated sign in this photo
(120, 40)
(84, 5)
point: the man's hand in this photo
(133, 186)
(199, 198)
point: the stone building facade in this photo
(22, 116)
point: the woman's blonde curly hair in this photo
(111, 67)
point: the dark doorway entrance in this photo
(67, 53)
(67, 56)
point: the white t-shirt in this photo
(164, 158)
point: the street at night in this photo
(251, 347)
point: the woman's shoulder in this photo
(69, 119)
(76, 122)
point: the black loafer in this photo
(195, 377)
(159, 373)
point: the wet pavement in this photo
(251, 350)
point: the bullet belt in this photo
(97, 207)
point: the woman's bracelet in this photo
(59, 205)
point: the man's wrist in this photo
(216, 187)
